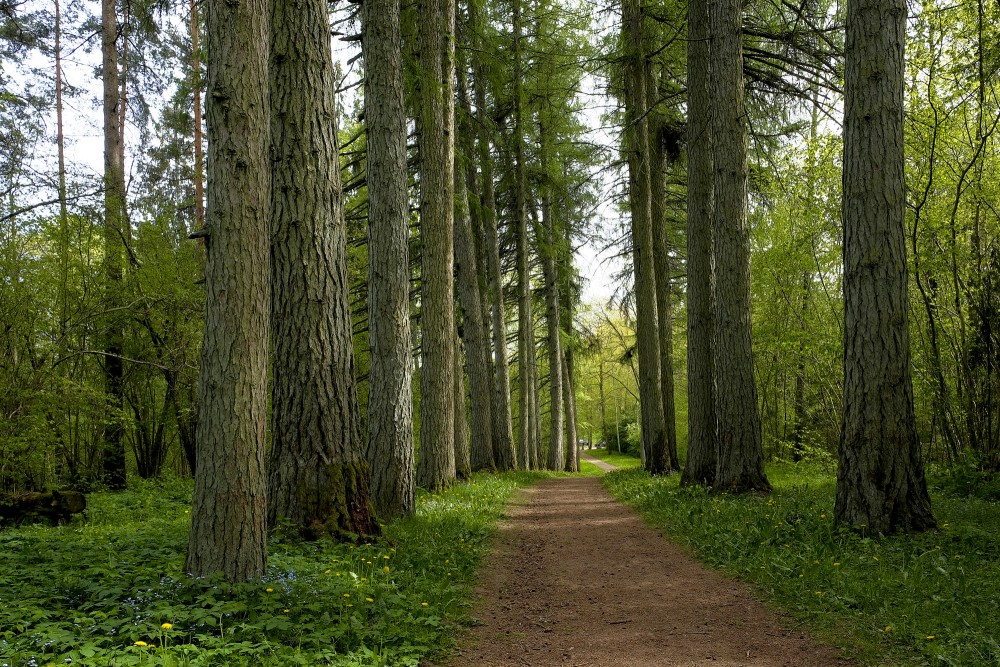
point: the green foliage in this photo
(616, 459)
(112, 591)
(922, 599)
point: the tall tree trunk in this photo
(390, 396)
(637, 148)
(880, 477)
(701, 450)
(798, 430)
(63, 208)
(661, 259)
(463, 465)
(228, 518)
(199, 186)
(503, 434)
(525, 327)
(740, 466)
(436, 465)
(318, 476)
(556, 457)
(114, 230)
(569, 400)
(477, 342)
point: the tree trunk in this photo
(463, 465)
(701, 450)
(228, 530)
(740, 466)
(63, 209)
(880, 478)
(504, 454)
(114, 230)
(436, 465)
(474, 334)
(318, 476)
(390, 396)
(637, 148)
(556, 457)
(569, 400)
(661, 259)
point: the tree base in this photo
(341, 507)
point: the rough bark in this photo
(228, 531)
(661, 259)
(63, 208)
(637, 150)
(318, 476)
(474, 334)
(569, 400)
(390, 398)
(701, 451)
(436, 465)
(199, 184)
(740, 466)
(880, 479)
(114, 231)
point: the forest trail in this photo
(603, 465)
(577, 579)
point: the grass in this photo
(112, 591)
(614, 458)
(927, 599)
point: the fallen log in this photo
(53, 506)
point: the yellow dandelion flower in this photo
(349, 604)
(888, 628)
(141, 643)
(166, 626)
(836, 564)
(819, 592)
(268, 590)
(385, 569)
(385, 557)
(423, 604)
(930, 636)
(327, 571)
(875, 558)
(284, 610)
(369, 600)
(822, 516)
(347, 595)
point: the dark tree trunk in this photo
(228, 529)
(880, 478)
(390, 396)
(701, 451)
(740, 465)
(436, 465)
(318, 476)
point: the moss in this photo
(342, 507)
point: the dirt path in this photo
(578, 579)
(606, 467)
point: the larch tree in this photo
(318, 476)
(880, 478)
(228, 514)
(740, 465)
(436, 464)
(702, 455)
(115, 232)
(390, 397)
(548, 234)
(636, 144)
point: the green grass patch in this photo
(927, 599)
(615, 459)
(112, 591)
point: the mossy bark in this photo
(338, 502)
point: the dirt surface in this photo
(578, 579)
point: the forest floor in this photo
(578, 579)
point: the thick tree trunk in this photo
(114, 231)
(474, 334)
(318, 476)
(701, 450)
(390, 396)
(740, 466)
(880, 478)
(436, 465)
(637, 148)
(569, 400)
(228, 530)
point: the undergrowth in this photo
(926, 599)
(112, 591)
